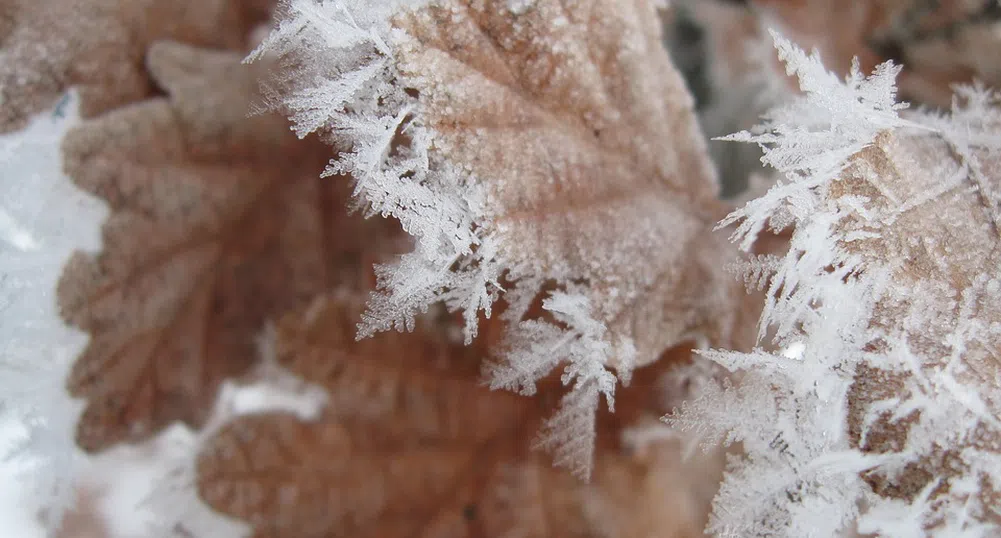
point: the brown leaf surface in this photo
(413, 445)
(583, 134)
(218, 223)
(47, 46)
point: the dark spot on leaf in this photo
(469, 512)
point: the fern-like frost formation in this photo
(885, 419)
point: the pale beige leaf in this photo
(940, 234)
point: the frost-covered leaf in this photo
(218, 224)
(523, 145)
(98, 46)
(413, 445)
(930, 391)
(581, 137)
(875, 395)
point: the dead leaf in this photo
(98, 46)
(413, 445)
(583, 135)
(218, 224)
(554, 148)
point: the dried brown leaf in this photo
(47, 46)
(412, 445)
(583, 135)
(218, 223)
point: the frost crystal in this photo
(886, 414)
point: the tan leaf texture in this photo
(583, 135)
(218, 223)
(98, 46)
(412, 445)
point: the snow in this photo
(44, 218)
(17, 510)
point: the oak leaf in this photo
(412, 445)
(98, 46)
(218, 224)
